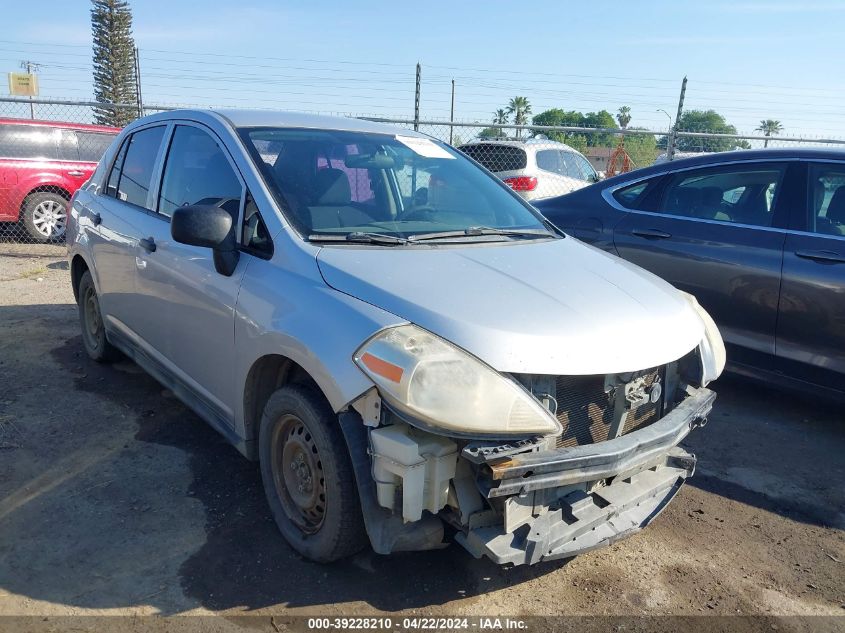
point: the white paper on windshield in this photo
(424, 147)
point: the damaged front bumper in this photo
(559, 503)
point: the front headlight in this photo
(444, 389)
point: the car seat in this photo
(332, 207)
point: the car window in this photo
(827, 199)
(254, 237)
(92, 145)
(497, 157)
(28, 141)
(570, 166)
(132, 172)
(587, 171)
(68, 149)
(549, 160)
(342, 182)
(741, 194)
(196, 171)
(630, 196)
(114, 174)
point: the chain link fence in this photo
(49, 148)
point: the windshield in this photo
(336, 183)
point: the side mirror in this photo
(211, 227)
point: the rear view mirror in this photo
(210, 227)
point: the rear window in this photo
(28, 141)
(92, 145)
(497, 157)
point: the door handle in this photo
(822, 256)
(96, 220)
(76, 173)
(653, 234)
(148, 244)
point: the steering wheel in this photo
(423, 213)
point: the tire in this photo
(45, 216)
(94, 338)
(308, 477)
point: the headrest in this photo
(836, 207)
(332, 187)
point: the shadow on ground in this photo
(245, 562)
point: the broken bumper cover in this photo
(556, 505)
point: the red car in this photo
(42, 163)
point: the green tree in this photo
(491, 132)
(520, 109)
(500, 116)
(769, 127)
(557, 116)
(642, 148)
(600, 119)
(624, 116)
(114, 60)
(706, 121)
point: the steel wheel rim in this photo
(298, 474)
(93, 322)
(50, 218)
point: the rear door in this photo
(121, 206)
(716, 232)
(811, 325)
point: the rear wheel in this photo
(94, 338)
(45, 216)
(308, 476)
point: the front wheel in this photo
(308, 477)
(45, 216)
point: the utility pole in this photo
(452, 113)
(138, 83)
(417, 100)
(670, 145)
(30, 67)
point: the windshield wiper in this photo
(473, 231)
(359, 237)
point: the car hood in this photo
(545, 307)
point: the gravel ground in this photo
(115, 499)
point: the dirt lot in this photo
(116, 499)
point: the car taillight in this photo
(522, 183)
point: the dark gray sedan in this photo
(757, 236)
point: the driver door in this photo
(194, 305)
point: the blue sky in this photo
(746, 59)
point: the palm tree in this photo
(769, 127)
(520, 109)
(624, 116)
(500, 117)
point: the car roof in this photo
(241, 118)
(744, 155)
(65, 125)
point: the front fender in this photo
(301, 318)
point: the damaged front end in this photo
(613, 465)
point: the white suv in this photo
(535, 168)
